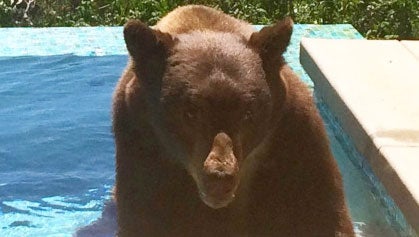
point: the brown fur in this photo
(216, 136)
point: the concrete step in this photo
(372, 87)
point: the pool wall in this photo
(394, 215)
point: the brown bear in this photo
(216, 136)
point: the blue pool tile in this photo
(104, 41)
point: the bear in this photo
(215, 134)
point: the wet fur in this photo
(289, 182)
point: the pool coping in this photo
(350, 75)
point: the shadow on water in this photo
(105, 226)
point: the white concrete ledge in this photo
(412, 46)
(372, 87)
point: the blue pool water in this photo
(56, 146)
(57, 151)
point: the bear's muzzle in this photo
(219, 179)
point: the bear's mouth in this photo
(217, 192)
(217, 202)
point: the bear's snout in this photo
(220, 173)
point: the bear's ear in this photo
(272, 41)
(142, 41)
(149, 49)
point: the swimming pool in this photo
(56, 146)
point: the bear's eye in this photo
(190, 114)
(248, 116)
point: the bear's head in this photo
(213, 96)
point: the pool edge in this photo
(362, 138)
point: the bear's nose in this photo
(221, 161)
(222, 140)
(221, 167)
(221, 164)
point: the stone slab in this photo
(372, 87)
